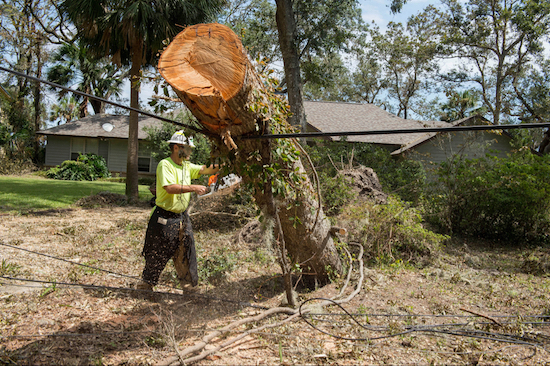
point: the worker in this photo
(169, 229)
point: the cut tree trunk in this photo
(209, 70)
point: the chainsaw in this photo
(222, 186)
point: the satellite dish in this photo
(107, 127)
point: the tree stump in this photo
(208, 68)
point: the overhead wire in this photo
(291, 135)
(103, 100)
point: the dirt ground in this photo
(457, 311)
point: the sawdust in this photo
(52, 323)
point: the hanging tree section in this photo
(209, 70)
(211, 73)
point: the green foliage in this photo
(216, 266)
(9, 269)
(335, 192)
(497, 198)
(391, 233)
(87, 167)
(405, 178)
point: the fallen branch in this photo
(483, 316)
(293, 313)
(199, 346)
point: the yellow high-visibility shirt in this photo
(169, 173)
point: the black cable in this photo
(507, 338)
(393, 132)
(246, 304)
(102, 334)
(293, 135)
(71, 262)
(78, 92)
(128, 289)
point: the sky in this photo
(378, 11)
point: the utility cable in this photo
(293, 135)
(242, 303)
(507, 338)
(129, 289)
(78, 92)
(68, 261)
(394, 132)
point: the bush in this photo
(495, 198)
(216, 266)
(391, 233)
(87, 167)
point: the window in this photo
(144, 157)
(144, 164)
(80, 145)
(77, 147)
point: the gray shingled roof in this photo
(91, 126)
(321, 116)
(339, 117)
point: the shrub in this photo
(391, 232)
(496, 198)
(87, 167)
(216, 266)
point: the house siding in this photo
(58, 149)
(118, 150)
(103, 149)
(471, 144)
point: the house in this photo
(101, 134)
(430, 148)
(106, 135)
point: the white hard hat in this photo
(179, 138)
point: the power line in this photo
(68, 261)
(205, 297)
(295, 135)
(78, 92)
(399, 131)
(433, 329)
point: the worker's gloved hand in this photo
(200, 190)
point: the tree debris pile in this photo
(103, 199)
(221, 212)
(364, 183)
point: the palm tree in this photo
(73, 65)
(65, 110)
(132, 33)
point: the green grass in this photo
(33, 193)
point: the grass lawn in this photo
(36, 193)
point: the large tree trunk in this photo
(211, 73)
(286, 26)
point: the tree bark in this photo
(209, 70)
(286, 26)
(133, 142)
